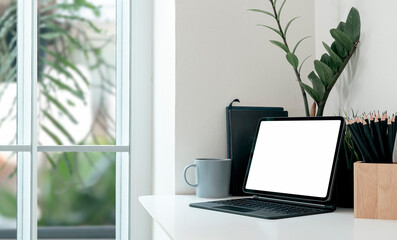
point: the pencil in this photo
(379, 136)
(359, 128)
(370, 122)
(367, 133)
(383, 128)
(366, 140)
(390, 141)
(365, 118)
(374, 134)
(357, 143)
(393, 122)
(392, 133)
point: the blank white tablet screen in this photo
(294, 157)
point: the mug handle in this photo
(184, 175)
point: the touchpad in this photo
(236, 209)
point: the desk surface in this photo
(182, 222)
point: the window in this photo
(49, 98)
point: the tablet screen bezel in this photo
(295, 197)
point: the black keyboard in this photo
(268, 206)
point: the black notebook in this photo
(241, 123)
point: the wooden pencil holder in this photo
(375, 190)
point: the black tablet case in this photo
(241, 123)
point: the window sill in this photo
(99, 232)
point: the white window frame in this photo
(131, 90)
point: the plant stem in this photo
(298, 77)
(321, 104)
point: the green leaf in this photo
(8, 26)
(332, 65)
(87, 4)
(57, 67)
(333, 55)
(280, 45)
(59, 106)
(292, 59)
(353, 23)
(63, 71)
(273, 29)
(78, 93)
(9, 12)
(342, 38)
(261, 11)
(50, 36)
(342, 26)
(52, 135)
(324, 72)
(8, 20)
(67, 157)
(59, 30)
(59, 126)
(71, 103)
(57, 17)
(339, 49)
(318, 85)
(313, 77)
(8, 206)
(346, 29)
(65, 62)
(9, 60)
(279, 11)
(288, 24)
(299, 42)
(325, 58)
(311, 92)
(303, 63)
(50, 159)
(12, 44)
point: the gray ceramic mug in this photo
(213, 177)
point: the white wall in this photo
(370, 81)
(163, 102)
(164, 97)
(141, 106)
(220, 55)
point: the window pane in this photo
(76, 189)
(76, 69)
(8, 199)
(8, 71)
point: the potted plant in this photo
(332, 63)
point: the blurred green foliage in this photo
(8, 206)
(63, 34)
(75, 188)
(79, 191)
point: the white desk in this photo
(182, 222)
